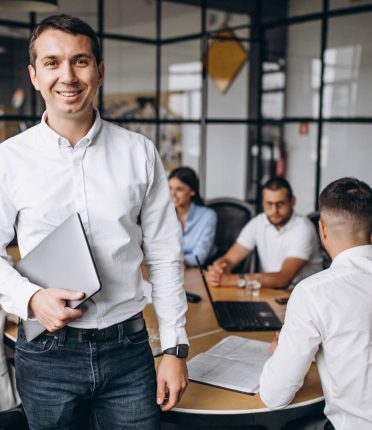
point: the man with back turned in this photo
(329, 316)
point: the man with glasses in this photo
(286, 242)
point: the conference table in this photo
(206, 405)
(203, 405)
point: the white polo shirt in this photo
(329, 317)
(297, 239)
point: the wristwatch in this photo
(241, 282)
(180, 351)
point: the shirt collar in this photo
(54, 139)
(285, 227)
(350, 253)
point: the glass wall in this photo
(276, 97)
(348, 60)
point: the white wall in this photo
(227, 144)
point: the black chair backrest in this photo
(232, 216)
(326, 259)
(314, 218)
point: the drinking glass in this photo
(253, 287)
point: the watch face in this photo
(241, 282)
(183, 351)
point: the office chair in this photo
(326, 259)
(309, 423)
(232, 216)
(14, 419)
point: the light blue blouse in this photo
(199, 233)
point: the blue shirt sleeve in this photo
(199, 234)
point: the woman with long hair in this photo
(197, 222)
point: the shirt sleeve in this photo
(299, 340)
(15, 290)
(163, 257)
(306, 247)
(204, 242)
(247, 236)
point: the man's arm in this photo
(281, 279)
(299, 341)
(15, 290)
(224, 264)
(163, 257)
(286, 274)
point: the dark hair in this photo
(276, 183)
(190, 178)
(351, 199)
(67, 24)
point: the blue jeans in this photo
(58, 377)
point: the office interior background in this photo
(296, 103)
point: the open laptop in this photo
(242, 316)
(62, 260)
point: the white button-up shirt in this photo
(115, 180)
(329, 316)
(296, 239)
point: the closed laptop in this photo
(62, 260)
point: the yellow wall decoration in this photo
(225, 58)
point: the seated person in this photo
(287, 243)
(197, 222)
(329, 315)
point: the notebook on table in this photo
(242, 316)
(62, 260)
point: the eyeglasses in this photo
(279, 205)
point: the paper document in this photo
(235, 363)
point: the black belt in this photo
(130, 326)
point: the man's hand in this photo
(49, 307)
(215, 271)
(274, 344)
(172, 381)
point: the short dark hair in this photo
(276, 183)
(67, 24)
(190, 178)
(349, 198)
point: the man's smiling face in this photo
(66, 73)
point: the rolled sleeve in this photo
(284, 373)
(163, 257)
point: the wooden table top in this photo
(204, 332)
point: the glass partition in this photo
(129, 84)
(348, 70)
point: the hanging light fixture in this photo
(29, 5)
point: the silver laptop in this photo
(62, 260)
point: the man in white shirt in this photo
(75, 162)
(329, 316)
(286, 242)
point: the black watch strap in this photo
(180, 351)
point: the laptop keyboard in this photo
(238, 314)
